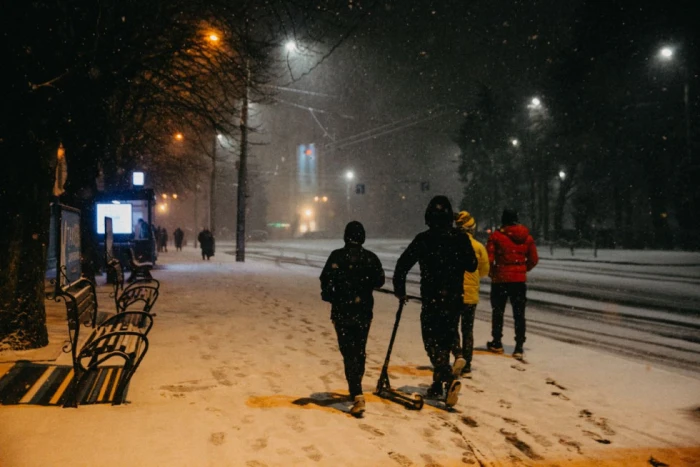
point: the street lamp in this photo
(290, 46)
(179, 136)
(536, 103)
(562, 175)
(349, 177)
(666, 53)
(515, 142)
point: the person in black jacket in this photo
(347, 281)
(206, 243)
(444, 255)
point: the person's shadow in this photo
(339, 402)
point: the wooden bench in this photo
(140, 291)
(139, 269)
(119, 337)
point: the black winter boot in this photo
(495, 346)
(435, 390)
(518, 352)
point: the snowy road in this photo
(644, 305)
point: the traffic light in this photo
(424, 186)
(360, 189)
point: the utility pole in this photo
(688, 137)
(212, 188)
(243, 172)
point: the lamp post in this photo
(667, 54)
(349, 177)
(243, 170)
(212, 185)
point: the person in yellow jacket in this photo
(464, 349)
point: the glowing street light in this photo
(179, 136)
(536, 103)
(290, 46)
(515, 142)
(349, 175)
(213, 37)
(666, 53)
(325, 199)
(174, 195)
(562, 175)
(308, 213)
(165, 196)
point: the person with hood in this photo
(347, 281)
(512, 254)
(206, 243)
(467, 224)
(444, 255)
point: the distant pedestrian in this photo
(512, 253)
(347, 281)
(164, 239)
(159, 239)
(206, 243)
(178, 236)
(444, 255)
(465, 349)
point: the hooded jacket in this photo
(472, 280)
(350, 275)
(512, 253)
(443, 253)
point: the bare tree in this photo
(112, 80)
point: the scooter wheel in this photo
(417, 401)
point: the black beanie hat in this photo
(439, 212)
(354, 233)
(509, 217)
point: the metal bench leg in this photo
(73, 389)
(123, 383)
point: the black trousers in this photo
(500, 294)
(464, 346)
(439, 319)
(352, 340)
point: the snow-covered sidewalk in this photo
(244, 370)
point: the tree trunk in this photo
(24, 203)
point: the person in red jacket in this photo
(512, 253)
